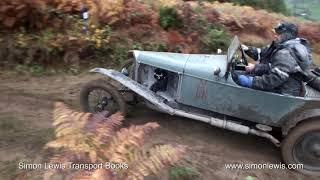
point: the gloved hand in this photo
(244, 47)
(250, 67)
(245, 81)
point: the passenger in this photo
(281, 63)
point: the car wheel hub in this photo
(101, 100)
(102, 104)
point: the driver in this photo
(280, 63)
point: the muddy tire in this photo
(109, 98)
(302, 146)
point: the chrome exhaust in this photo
(225, 124)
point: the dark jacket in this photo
(279, 69)
(262, 55)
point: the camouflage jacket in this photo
(279, 66)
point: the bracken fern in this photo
(96, 138)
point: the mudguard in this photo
(298, 117)
(141, 90)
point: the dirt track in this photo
(29, 101)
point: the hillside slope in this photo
(183, 26)
(139, 23)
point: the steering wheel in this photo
(245, 60)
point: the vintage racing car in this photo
(204, 87)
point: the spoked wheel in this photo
(99, 95)
(302, 146)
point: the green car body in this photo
(199, 86)
(204, 87)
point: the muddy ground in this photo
(26, 105)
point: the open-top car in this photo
(204, 87)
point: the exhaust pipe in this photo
(228, 125)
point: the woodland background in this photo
(47, 36)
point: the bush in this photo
(49, 46)
(215, 39)
(168, 18)
(37, 14)
(31, 14)
(183, 173)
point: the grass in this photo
(9, 169)
(16, 134)
(304, 6)
(183, 173)
(315, 10)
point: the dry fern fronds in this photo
(92, 138)
(127, 141)
(69, 129)
(65, 157)
(13, 12)
(67, 121)
(107, 11)
(102, 129)
(99, 174)
(154, 161)
(82, 132)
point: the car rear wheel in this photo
(302, 146)
(99, 95)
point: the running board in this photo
(158, 102)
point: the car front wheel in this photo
(100, 95)
(302, 146)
